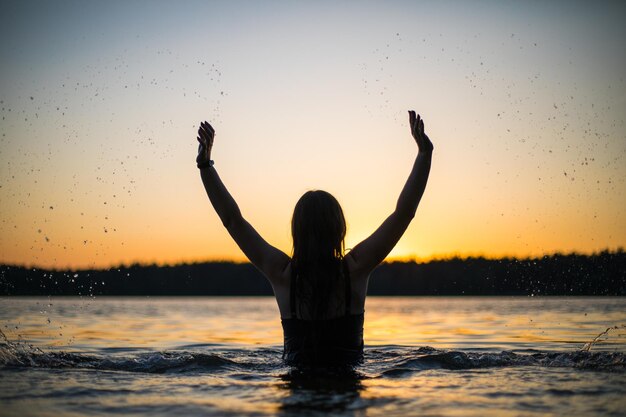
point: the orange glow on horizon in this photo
(242, 259)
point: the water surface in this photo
(222, 356)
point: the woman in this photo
(320, 292)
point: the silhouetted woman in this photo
(320, 290)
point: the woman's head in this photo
(318, 229)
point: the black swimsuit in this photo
(323, 342)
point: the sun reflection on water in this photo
(444, 323)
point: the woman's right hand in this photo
(417, 130)
(206, 133)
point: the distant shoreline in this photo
(599, 274)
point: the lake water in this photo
(427, 356)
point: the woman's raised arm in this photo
(270, 260)
(373, 250)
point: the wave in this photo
(390, 361)
(426, 358)
(158, 362)
(16, 354)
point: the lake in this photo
(431, 356)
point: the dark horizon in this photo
(602, 273)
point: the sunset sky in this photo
(100, 101)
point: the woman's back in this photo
(281, 284)
(333, 335)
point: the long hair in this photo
(318, 229)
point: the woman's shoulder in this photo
(354, 269)
(281, 277)
(358, 281)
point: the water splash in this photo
(17, 353)
(599, 338)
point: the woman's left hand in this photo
(206, 133)
(417, 130)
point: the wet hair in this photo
(318, 229)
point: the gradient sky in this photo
(524, 102)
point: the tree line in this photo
(602, 273)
